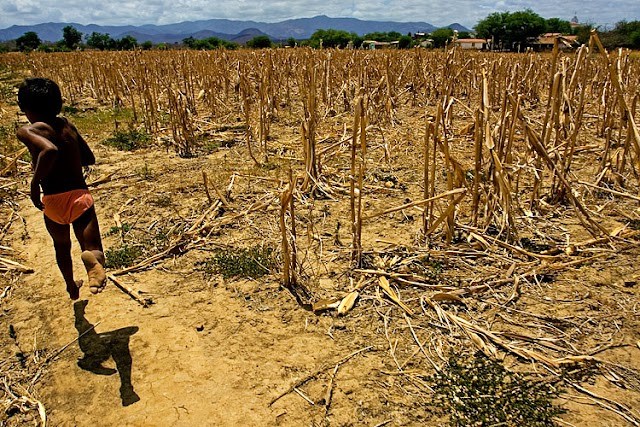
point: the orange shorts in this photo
(64, 208)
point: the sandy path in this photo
(199, 356)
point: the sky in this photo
(438, 13)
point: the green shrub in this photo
(122, 256)
(122, 230)
(128, 140)
(478, 391)
(249, 262)
(145, 172)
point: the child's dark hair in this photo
(41, 96)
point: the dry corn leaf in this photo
(485, 346)
(325, 304)
(42, 412)
(480, 239)
(101, 180)
(468, 129)
(384, 284)
(360, 284)
(348, 302)
(617, 230)
(510, 270)
(611, 376)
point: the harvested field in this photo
(333, 238)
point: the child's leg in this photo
(62, 244)
(87, 232)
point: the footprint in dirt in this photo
(99, 347)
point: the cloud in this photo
(466, 12)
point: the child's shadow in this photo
(97, 348)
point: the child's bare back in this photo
(72, 154)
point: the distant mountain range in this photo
(238, 31)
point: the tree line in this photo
(515, 31)
(72, 39)
(512, 31)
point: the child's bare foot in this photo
(95, 271)
(74, 290)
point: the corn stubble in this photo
(501, 138)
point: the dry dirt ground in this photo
(243, 352)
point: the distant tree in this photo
(127, 43)
(394, 35)
(356, 40)
(377, 36)
(105, 42)
(441, 37)
(147, 45)
(405, 42)
(333, 38)
(391, 36)
(291, 42)
(60, 46)
(624, 34)
(259, 42)
(71, 37)
(464, 35)
(634, 38)
(189, 42)
(557, 25)
(101, 41)
(583, 33)
(511, 31)
(208, 43)
(28, 41)
(523, 26)
(493, 27)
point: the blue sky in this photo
(438, 13)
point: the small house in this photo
(373, 44)
(477, 44)
(546, 41)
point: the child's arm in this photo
(46, 153)
(86, 155)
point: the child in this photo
(58, 154)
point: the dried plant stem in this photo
(608, 190)
(425, 182)
(627, 114)
(206, 186)
(288, 256)
(415, 337)
(611, 405)
(357, 173)
(417, 203)
(7, 264)
(308, 129)
(311, 376)
(247, 115)
(129, 291)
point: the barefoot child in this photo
(58, 153)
